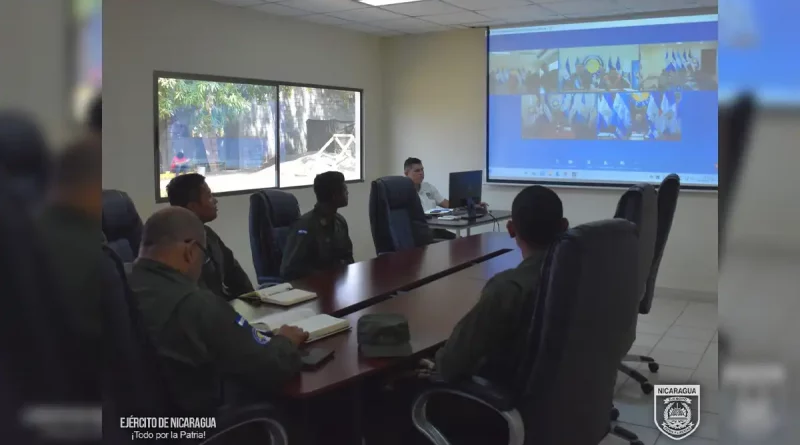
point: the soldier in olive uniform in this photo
(478, 343)
(222, 274)
(199, 338)
(319, 239)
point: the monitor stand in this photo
(471, 211)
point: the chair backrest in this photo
(122, 224)
(587, 299)
(24, 156)
(272, 212)
(132, 364)
(396, 216)
(667, 202)
(639, 205)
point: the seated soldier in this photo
(320, 238)
(199, 338)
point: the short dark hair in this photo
(185, 189)
(410, 162)
(80, 163)
(538, 215)
(327, 185)
(95, 118)
(172, 225)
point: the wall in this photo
(434, 91)
(34, 58)
(202, 37)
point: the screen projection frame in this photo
(595, 185)
(161, 74)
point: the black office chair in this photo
(135, 381)
(567, 360)
(38, 373)
(639, 205)
(272, 213)
(667, 201)
(24, 157)
(396, 216)
(122, 224)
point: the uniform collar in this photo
(162, 269)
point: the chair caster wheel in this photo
(647, 387)
(653, 367)
(614, 414)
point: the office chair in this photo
(586, 301)
(272, 212)
(667, 201)
(639, 205)
(29, 353)
(24, 157)
(122, 224)
(135, 385)
(396, 216)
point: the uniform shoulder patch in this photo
(241, 321)
(260, 337)
(302, 231)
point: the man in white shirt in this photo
(429, 196)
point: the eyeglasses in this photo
(206, 254)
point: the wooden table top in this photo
(347, 289)
(463, 223)
(432, 311)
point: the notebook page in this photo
(290, 297)
(291, 317)
(321, 325)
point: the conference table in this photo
(457, 225)
(349, 288)
(432, 286)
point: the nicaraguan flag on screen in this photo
(623, 115)
(567, 71)
(605, 113)
(566, 104)
(619, 66)
(576, 113)
(546, 111)
(665, 123)
(653, 114)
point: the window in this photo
(245, 135)
(320, 129)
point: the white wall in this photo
(34, 58)
(435, 98)
(197, 37)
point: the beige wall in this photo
(201, 37)
(434, 89)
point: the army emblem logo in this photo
(677, 410)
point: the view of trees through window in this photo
(226, 130)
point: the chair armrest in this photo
(480, 389)
(231, 418)
(384, 253)
(268, 281)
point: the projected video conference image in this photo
(604, 103)
(245, 136)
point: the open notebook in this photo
(317, 325)
(281, 294)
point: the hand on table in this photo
(295, 335)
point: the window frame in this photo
(250, 81)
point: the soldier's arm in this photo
(349, 256)
(236, 279)
(485, 328)
(241, 352)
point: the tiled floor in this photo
(682, 337)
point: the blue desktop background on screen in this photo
(692, 151)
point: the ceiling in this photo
(440, 15)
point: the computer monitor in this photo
(465, 190)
